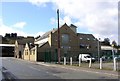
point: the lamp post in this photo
(98, 49)
(114, 59)
(113, 51)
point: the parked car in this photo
(86, 58)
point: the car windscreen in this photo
(88, 56)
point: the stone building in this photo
(71, 44)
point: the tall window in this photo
(26, 52)
(33, 52)
(65, 38)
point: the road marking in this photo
(34, 68)
(44, 64)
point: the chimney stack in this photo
(74, 28)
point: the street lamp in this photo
(113, 51)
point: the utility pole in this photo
(58, 37)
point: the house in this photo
(20, 44)
(29, 52)
(71, 44)
(33, 55)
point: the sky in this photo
(35, 17)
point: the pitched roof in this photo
(52, 31)
(47, 34)
(30, 45)
(23, 41)
(72, 25)
(85, 35)
(41, 44)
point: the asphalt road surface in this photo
(21, 69)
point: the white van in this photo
(86, 57)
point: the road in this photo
(21, 69)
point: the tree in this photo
(106, 41)
(114, 43)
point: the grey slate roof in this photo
(72, 25)
(85, 35)
(41, 44)
(47, 34)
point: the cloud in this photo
(39, 33)
(6, 29)
(9, 29)
(39, 2)
(66, 19)
(14, 0)
(99, 17)
(53, 20)
(19, 25)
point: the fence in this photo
(71, 58)
(106, 65)
(52, 56)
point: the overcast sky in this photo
(35, 17)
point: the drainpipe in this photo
(29, 54)
(35, 51)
